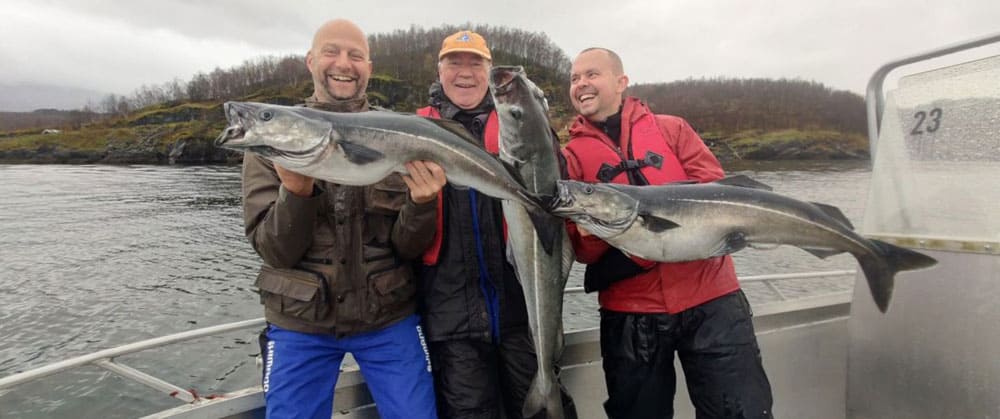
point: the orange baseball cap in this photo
(465, 41)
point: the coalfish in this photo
(363, 148)
(683, 222)
(528, 144)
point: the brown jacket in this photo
(337, 262)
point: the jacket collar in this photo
(359, 104)
(632, 110)
(448, 110)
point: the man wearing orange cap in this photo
(336, 277)
(473, 308)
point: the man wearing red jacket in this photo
(650, 310)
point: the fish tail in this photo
(543, 395)
(880, 268)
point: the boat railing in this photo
(875, 95)
(106, 358)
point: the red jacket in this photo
(491, 142)
(665, 287)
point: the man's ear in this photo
(622, 83)
(309, 59)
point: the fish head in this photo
(282, 134)
(600, 208)
(521, 107)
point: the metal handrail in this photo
(97, 358)
(874, 97)
(105, 358)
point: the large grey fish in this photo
(528, 144)
(363, 148)
(682, 222)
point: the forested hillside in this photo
(733, 105)
(175, 122)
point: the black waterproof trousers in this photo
(717, 348)
(476, 379)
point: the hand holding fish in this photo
(295, 183)
(425, 180)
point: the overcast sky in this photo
(118, 45)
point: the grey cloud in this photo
(117, 45)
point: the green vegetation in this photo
(757, 119)
(788, 144)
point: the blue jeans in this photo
(301, 370)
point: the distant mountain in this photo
(24, 97)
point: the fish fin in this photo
(823, 253)
(514, 173)
(743, 181)
(456, 128)
(683, 182)
(359, 154)
(733, 243)
(543, 395)
(547, 226)
(834, 213)
(880, 268)
(657, 224)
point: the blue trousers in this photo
(301, 370)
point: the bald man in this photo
(696, 308)
(337, 276)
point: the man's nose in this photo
(342, 61)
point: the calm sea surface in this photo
(92, 257)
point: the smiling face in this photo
(597, 83)
(339, 62)
(463, 77)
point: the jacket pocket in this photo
(294, 293)
(386, 196)
(392, 288)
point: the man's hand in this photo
(425, 180)
(295, 183)
(583, 232)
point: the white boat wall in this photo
(936, 164)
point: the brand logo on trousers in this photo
(270, 361)
(423, 345)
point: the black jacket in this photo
(453, 298)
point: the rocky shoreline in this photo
(202, 151)
(183, 152)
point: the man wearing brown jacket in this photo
(336, 276)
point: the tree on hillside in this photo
(405, 62)
(410, 55)
(731, 105)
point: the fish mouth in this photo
(562, 203)
(502, 78)
(239, 119)
(230, 137)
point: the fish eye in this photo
(516, 112)
(587, 189)
(266, 115)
